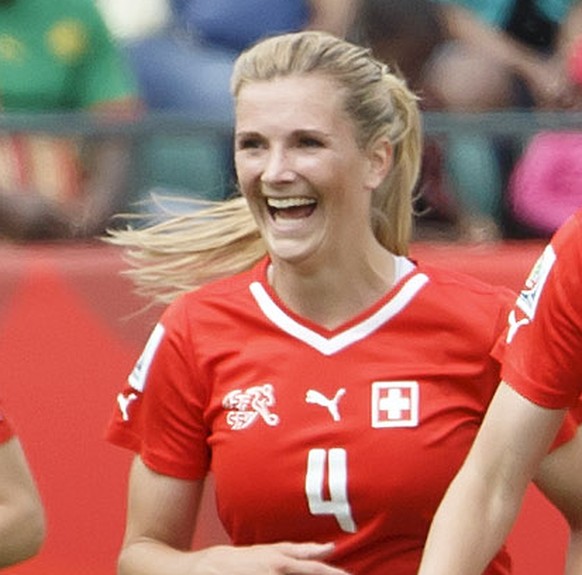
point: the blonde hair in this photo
(221, 238)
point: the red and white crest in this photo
(244, 407)
(395, 404)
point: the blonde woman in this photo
(332, 385)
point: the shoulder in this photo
(228, 288)
(560, 263)
(453, 281)
(227, 297)
(461, 302)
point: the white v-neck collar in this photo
(343, 339)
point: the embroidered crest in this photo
(244, 407)
(394, 404)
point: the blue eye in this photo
(249, 143)
(310, 142)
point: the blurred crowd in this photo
(122, 61)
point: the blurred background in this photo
(106, 104)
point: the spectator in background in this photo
(461, 182)
(407, 36)
(21, 512)
(546, 184)
(508, 53)
(58, 56)
(186, 67)
(501, 54)
(188, 64)
(475, 56)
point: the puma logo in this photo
(514, 325)
(331, 405)
(123, 403)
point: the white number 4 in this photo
(337, 475)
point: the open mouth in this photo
(291, 208)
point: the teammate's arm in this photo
(559, 477)
(490, 485)
(162, 514)
(22, 526)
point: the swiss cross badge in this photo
(395, 404)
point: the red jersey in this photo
(6, 431)
(348, 435)
(542, 359)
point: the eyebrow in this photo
(296, 132)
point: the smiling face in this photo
(299, 166)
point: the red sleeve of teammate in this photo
(6, 430)
(543, 356)
(159, 413)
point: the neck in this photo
(332, 294)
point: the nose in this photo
(278, 168)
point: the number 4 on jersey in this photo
(337, 476)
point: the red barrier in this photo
(69, 336)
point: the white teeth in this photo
(282, 203)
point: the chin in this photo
(289, 254)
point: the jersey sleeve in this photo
(159, 412)
(542, 359)
(6, 429)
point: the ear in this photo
(380, 155)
